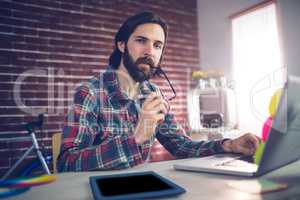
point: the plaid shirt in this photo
(98, 133)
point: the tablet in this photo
(138, 185)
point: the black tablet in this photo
(138, 185)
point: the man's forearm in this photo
(115, 153)
(227, 145)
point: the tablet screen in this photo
(133, 185)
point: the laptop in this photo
(281, 148)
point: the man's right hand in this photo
(154, 109)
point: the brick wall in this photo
(47, 47)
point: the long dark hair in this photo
(128, 28)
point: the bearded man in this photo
(117, 115)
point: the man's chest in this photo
(119, 119)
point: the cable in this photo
(28, 182)
(17, 186)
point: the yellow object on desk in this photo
(200, 74)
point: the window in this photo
(257, 66)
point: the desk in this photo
(73, 186)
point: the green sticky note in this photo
(258, 153)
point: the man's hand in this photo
(153, 110)
(246, 144)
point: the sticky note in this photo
(258, 153)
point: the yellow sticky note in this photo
(258, 153)
(274, 102)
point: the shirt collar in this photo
(111, 83)
(116, 96)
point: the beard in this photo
(138, 75)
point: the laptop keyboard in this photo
(239, 162)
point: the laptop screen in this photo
(283, 142)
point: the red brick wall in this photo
(47, 47)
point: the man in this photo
(110, 127)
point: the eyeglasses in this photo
(158, 72)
